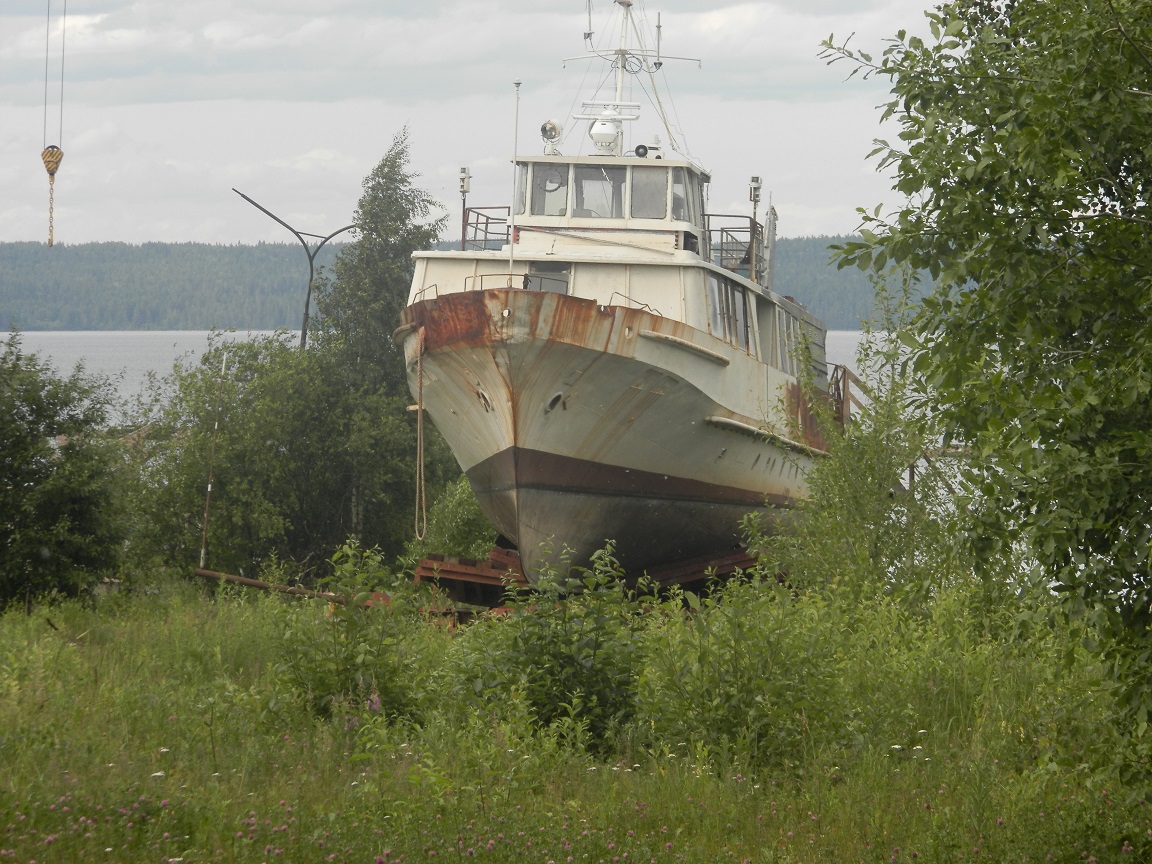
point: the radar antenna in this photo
(625, 59)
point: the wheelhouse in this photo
(630, 194)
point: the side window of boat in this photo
(716, 308)
(728, 317)
(600, 191)
(679, 195)
(790, 336)
(549, 190)
(767, 329)
(740, 316)
(695, 199)
(649, 193)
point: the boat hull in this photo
(579, 424)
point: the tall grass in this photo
(879, 689)
(762, 726)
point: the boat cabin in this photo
(633, 231)
(645, 195)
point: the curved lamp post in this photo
(300, 235)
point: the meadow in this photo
(763, 723)
(887, 686)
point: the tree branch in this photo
(1127, 38)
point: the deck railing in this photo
(737, 244)
(527, 281)
(484, 228)
(840, 390)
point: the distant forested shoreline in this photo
(202, 286)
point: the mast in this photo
(622, 48)
(607, 117)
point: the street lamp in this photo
(300, 235)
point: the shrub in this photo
(373, 648)
(751, 675)
(60, 518)
(456, 526)
(572, 651)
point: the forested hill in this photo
(803, 270)
(155, 286)
(198, 286)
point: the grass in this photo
(163, 728)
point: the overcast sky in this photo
(168, 105)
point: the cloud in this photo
(169, 105)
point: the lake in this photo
(129, 355)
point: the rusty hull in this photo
(579, 423)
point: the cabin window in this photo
(790, 341)
(739, 315)
(649, 193)
(521, 185)
(728, 317)
(548, 276)
(715, 307)
(600, 191)
(687, 204)
(549, 190)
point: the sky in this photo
(164, 107)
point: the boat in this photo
(607, 360)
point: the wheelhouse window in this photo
(600, 191)
(649, 193)
(549, 189)
(728, 311)
(687, 196)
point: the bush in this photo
(750, 676)
(60, 519)
(572, 651)
(374, 649)
(456, 526)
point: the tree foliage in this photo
(306, 448)
(1025, 155)
(59, 523)
(289, 450)
(360, 306)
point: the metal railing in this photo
(840, 391)
(737, 244)
(524, 281)
(485, 228)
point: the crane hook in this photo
(52, 156)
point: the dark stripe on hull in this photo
(654, 518)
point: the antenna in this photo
(465, 187)
(754, 186)
(512, 209)
(629, 60)
(659, 27)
